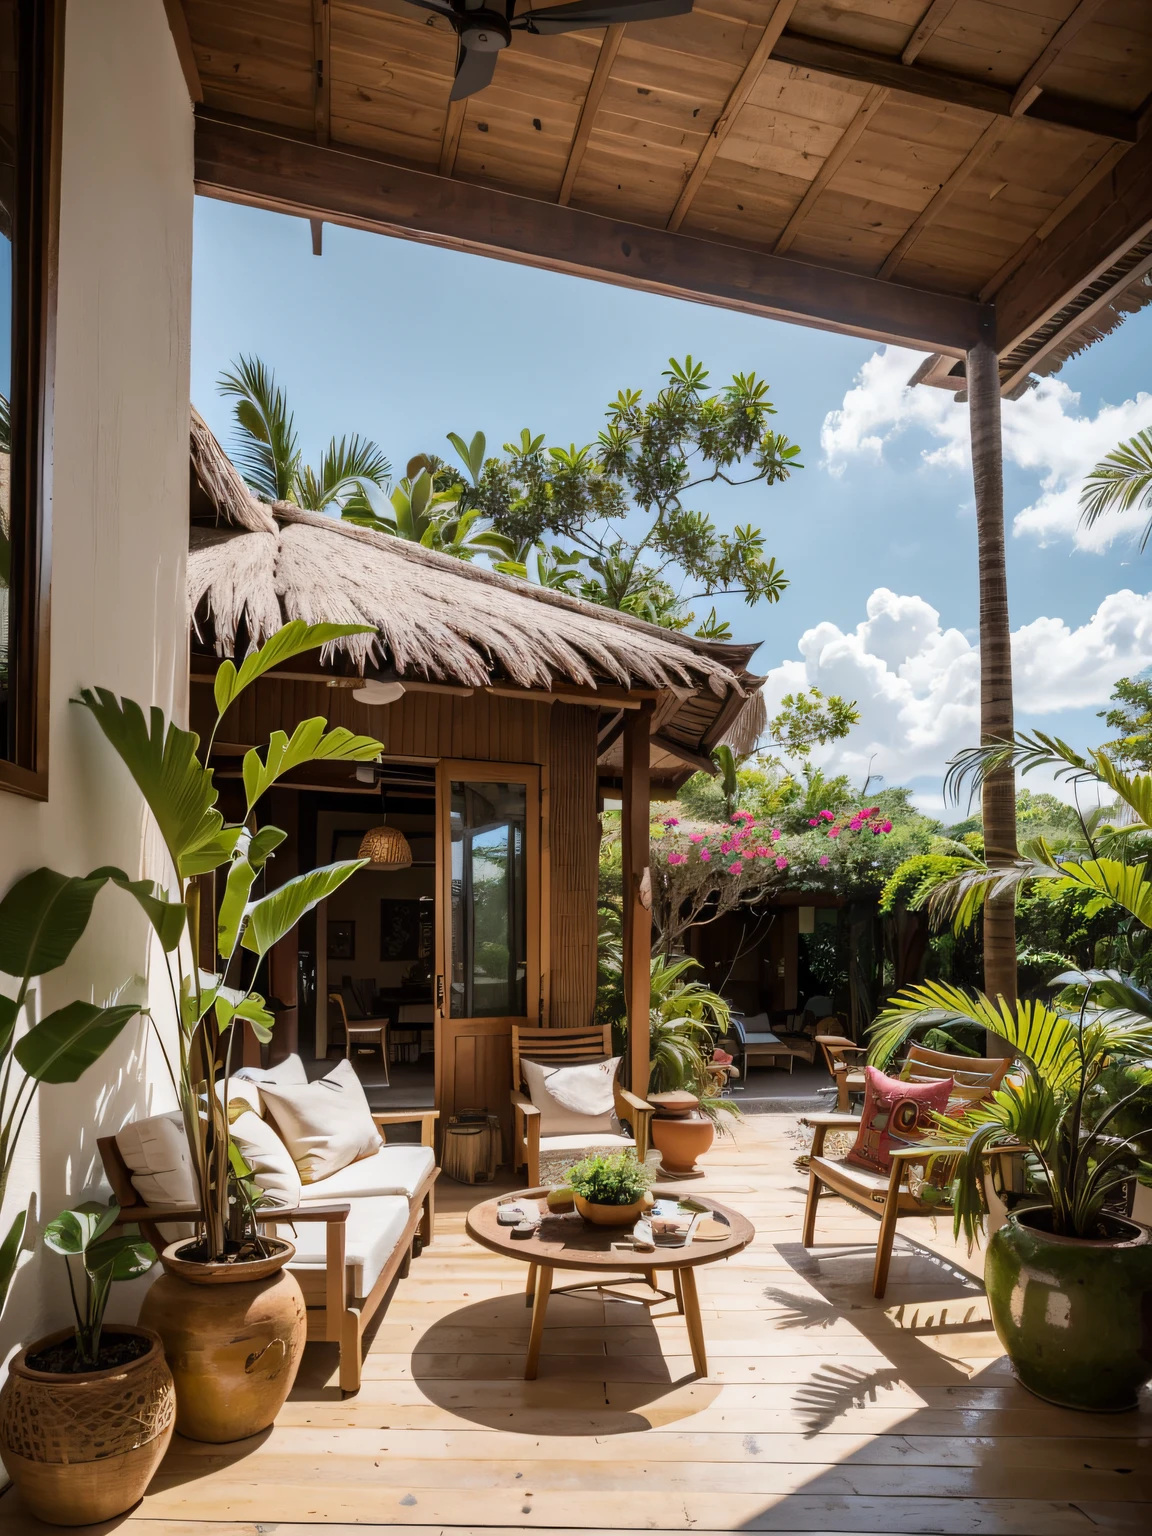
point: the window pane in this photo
(489, 922)
(8, 138)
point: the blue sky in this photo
(406, 342)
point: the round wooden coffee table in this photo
(569, 1242)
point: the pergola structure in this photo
(966, 177)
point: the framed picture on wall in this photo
(402, 928)
(341, 939)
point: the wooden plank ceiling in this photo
(942, 148)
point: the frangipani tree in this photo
(172, 774)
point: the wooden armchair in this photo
(845, 1062)
(888, 1194)
(359, 1031)
(566, 1047)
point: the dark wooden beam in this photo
(958, 90)
(926, 28)
(697, 760)
(1104, 225)
(265, 166)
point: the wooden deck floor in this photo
(824, 1410)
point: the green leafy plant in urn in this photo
(232, 1318)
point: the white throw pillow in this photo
(242, 1092)
(246, 1082)
(325, 1125)
(573, 1099)
(267, 1156)
(156, 1151)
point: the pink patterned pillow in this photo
(895, 1114)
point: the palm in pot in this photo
(1069, 1280)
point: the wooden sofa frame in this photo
(335, 1314)
(567, 1046)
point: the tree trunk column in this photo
(635, 834)
(996, 715)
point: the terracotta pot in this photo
(83, 1448)
(233, 1334)
(612, 1215)
(1074, 1314)
(681, 1140)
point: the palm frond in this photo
(349, 466)
(1122, 480)
(267, 453)
(1024, 751)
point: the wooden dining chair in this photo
(359, 1031)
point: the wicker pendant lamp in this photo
(387, 847)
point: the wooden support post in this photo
(996, 715)
(637, 893)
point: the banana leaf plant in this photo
(105, 1256)
(172, 773)
(42, 918)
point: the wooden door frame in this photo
(488, 772)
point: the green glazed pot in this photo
(1074, 1314)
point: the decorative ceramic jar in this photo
(1074, 1314)
(233, 1334)
(680, 1132)
(613, 1215)
(82, 1447)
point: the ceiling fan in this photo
(481, 32)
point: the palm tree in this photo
(268, 453)
(1122, 480)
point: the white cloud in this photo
(1044, 432)
(917, 684)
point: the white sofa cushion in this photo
(374, 1227)
(267, 1156)
(325, 1125)
(241, 1091)
(394, 1170)
(156, 1152)
(245, 1082)
(573, 1098)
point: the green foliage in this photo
(84, 1234)
(807, 720)
(1132, 717)
(177, 786)
(1051, 1103)
(268, 454)
(614, 1180)
(427, 508)
(686, 1019)
(619, 504)
(1121, 481)
(42, 918)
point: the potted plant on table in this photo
(1069, 1280)
(686, 1018)
(232, 1321)
(87, 1413)
(610, 1191)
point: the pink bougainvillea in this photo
(675, 858)
(736, 867)
(671, 821)
(695, 837)
(824, 861)
(704, 855)
(781, 862)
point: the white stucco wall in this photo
(119, 511)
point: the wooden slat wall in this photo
(575, 835)
(431, 725)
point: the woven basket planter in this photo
(83, 1448)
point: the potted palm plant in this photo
(249, 1314)
(1069, 1279)
(686, 1017)
(87, 1413)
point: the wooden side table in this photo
(569, 1242)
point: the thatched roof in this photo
(436, 618)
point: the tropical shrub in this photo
(105, 1257)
